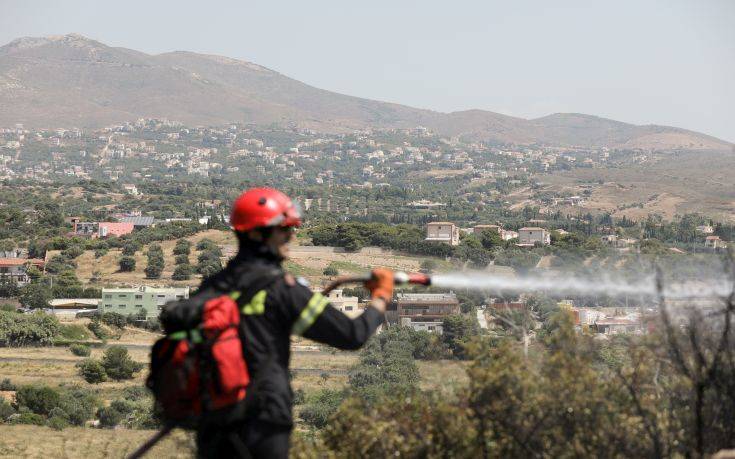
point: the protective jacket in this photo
(277, 306)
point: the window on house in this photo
(122, 295)
(138, 305)
(138, 297)
(348, 308)
(179, 297)
(108, 296)
(120, 305)
(108, 305)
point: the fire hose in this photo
(399, 278)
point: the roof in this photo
(531, 228)
(7, 262)
(74, 303)
(712, 238)
(440, 223)
(138, 221)
(116, 226)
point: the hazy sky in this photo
(666, 62)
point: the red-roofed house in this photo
(107, 229)
(14, 269)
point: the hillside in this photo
(65, 81)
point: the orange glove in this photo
(381, 284)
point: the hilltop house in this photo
(445, 232)
(531, 235)
(714, 242)
(347, 304)
(15, 269)
(422, 311)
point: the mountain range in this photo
(73, 81)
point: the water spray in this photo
(568, 284)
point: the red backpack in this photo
(201, 371)
(198, 371)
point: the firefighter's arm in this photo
(334, 328)
(321, 322)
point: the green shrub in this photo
(101, 252)
(183, 247)
(182, 272)
(73, 332)
(330, 271)
(57, 423)
(181, 260)
(80, 350)
(38, 399)
(27, 418)
(130, 248)
(72, 252)
(127, 264)
(95, 326)
(135, 393)
(321, 406)
(113, 319)
(118, 364)
(6, 384)
(208, 245)
(78, 405)
(35, 295)
(6, 409)
(109, 417)
(92, 371)
(154, 269)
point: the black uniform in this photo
(276, 306)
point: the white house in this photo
(445, 232)
(531, 235)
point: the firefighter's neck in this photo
(273, 242)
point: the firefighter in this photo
(264, 221)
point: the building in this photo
(617, 325)
(70, 307)
(705, 229)
(532, 235)
(444, 232)
(347, 304)
(139, 222)
(130, 189)
(423, 311)
(130, 301)
(107, 229)
(714, 242)
(610, 239)
(15, 269)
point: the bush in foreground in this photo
(80, 350)
(118, 364)
(92, 371)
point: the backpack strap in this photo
(251, 299)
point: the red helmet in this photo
(264, 207)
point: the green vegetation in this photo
(127, 264)
(80, 350)
(36, 329)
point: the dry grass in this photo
(76, 442)
(679, 183)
